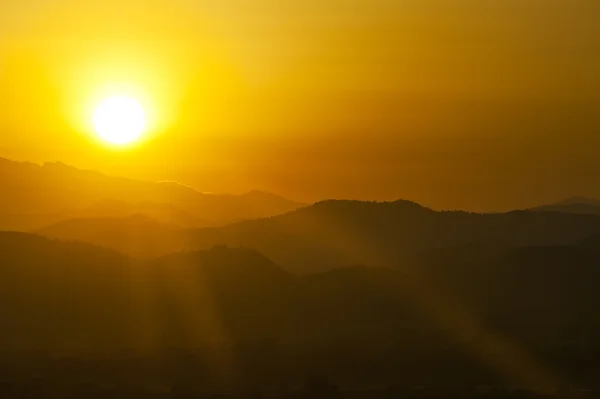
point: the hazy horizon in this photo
(526, 204)
(485, 106)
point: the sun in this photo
(120, 120)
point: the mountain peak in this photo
(357, 204)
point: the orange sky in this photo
(482, 105)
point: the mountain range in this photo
(469, 305)
(371, 292)
(336, 233)
(34, 196)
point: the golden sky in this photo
(475, 104)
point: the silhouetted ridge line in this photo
(68, 192)
(580, 205)
(334, 233)
(26, 243)
(136, 234)
(357, 204)
(239, 265)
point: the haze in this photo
(479, 105)
(285, 199)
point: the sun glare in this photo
(120, 120)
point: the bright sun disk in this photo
(120, 120)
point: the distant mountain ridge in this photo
(339, 232)
(572, 205)
(137, 234)
(35, 195)
(163, 212)
(334, 233)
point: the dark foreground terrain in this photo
(478, 320)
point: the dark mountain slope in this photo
(333, 233)
(61, 296)
(364, 324)
(70, 297)
(330, 234)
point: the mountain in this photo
(137, 235)
(541, 294)
(162, 212)
(365, 324)
(34, 196)
(334, 233)
(54, 291)
(249, 295)
(201, 313)
(572, 205)
(67, 297)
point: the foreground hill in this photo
(334, 233)
(68, 297)
(34, 196)
(52, 289)
(519, 290)
(471, 311)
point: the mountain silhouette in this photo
(198, 312)
(137, 235)
(334, 233)
(572, 205)
(68, 298)
(162, 212)
(36, 195)
(54, 291)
